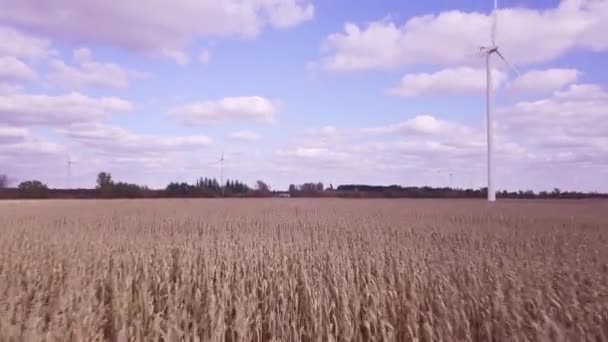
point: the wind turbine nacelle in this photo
(488, 49)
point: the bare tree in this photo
(3, 181)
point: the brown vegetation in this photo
(303, 270)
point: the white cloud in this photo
(544, 81)
(27, 109)
(114, 140)
(247, 136)
(10, 88)
(595, 36)
(423, 150)
(572, 121)
(463, 80)
(179, 57)
(204, 57)
(325, 133)
(426, 135)
(227, 109)
(389, 159)
(329, 130)
(12, 134)
(288, 13)
(315, 154)
(18, 145)
(17, 44)
(152, 26)
(88, 72)
(582, 92)
(421, 124)
(322, 137)
(580, 108)
(14, 70)
(524, 35)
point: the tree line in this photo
(106, 187)
(206, 187)
(397, 191)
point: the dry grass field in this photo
(303, 270)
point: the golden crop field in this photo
(303, 270)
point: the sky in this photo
(294, 91)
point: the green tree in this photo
(33, 189)
(556, 192)
(262, 187)
(105, 184)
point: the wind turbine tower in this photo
(488, 51)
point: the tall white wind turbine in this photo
(488, 51)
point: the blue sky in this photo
(383, 92)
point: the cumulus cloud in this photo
(14, 70)
(581, 107)
(437, 152)
(88, 72)
(582, 92)
(289, 13)
(463, 80)
(47, 110)
(115, 140)
(204, 57)
(10, 88)
(325, 133)
(18, 145)
(227, 109)
(420, 124)
(525, 36)
(570, 121)
(543, 81)
(322, 136)
(179, 57)
(245, 135)
(12, 134)
(423, 137)
(158, 26)
(18, 44)
(24, 155)
(13, 74)
(314, 153)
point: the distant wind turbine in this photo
(488, 51)
(69, 170)
(222, 173)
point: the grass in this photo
(303, 270)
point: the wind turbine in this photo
(222, 172)
(488, 51)
(69, 168)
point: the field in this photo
(303, 270)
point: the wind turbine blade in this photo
(494, 22)
(511, 66)
(477, 54)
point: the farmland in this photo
(303, 270)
